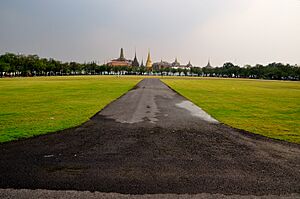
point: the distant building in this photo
(208, 65)
(121, 61)
(163, 65)
(189, 65)
(149, 62)
(176, 63)
(135, 62)
(142, 64)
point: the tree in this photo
(27, 65)
(4, 67)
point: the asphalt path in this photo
(152, 141)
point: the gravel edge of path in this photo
(41, 193)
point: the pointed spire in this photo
(122, 54)
(175, 63)
(134, 52)
(149, 62)
(149, 57)
(208, 64)
(135, 61)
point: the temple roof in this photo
(135, 61)
(122, 57)
(149, 62)
(176, 63)
(189, 64)
(208, 65)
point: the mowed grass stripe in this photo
(269, 108)
(34, 106)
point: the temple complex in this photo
(122, 61)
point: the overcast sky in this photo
(240, 31)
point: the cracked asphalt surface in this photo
(146, 142)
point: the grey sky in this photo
(240, 31)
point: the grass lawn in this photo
(269, 108)
(34, 106)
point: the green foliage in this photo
(273, 71)
(269, 108)
(32, 65)
(34, 106)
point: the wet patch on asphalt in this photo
(196, 111)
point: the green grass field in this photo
(269, 108)
(34, 106)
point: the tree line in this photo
(272, 71)
(12, 65)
